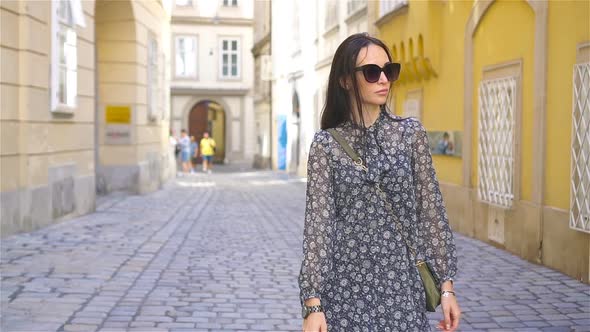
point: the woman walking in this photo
(368, 222)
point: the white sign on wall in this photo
(117, 134)
(412, 108)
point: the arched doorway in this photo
(208, 116)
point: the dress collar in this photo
(348, 124)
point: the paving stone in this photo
(80, 328)
(222, 252)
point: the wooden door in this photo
(198, 122)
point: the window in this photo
(152, 78)
(232, 3)
(186, 56)
(355, 5)
(64, 65)
(184, 3)
(389, 6)
(580, 174)
(497, 104)
(296, 44)
(331, 14)
(230, 58)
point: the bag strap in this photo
(349, 151)
(359, 162)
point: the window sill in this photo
(185, 78)
(403, 9)
(331, 30)
(63, 110)
(229, 79)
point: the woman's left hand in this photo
(451, 313)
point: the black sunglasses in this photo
(372, 72)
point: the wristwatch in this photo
(305, 311)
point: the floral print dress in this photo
(355, 258)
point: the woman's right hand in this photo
(315, 322)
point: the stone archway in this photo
(116, 68)
(530, 249)
(476, 16)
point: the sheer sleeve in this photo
(435, 236)
(319, 219)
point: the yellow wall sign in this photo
(118, 114)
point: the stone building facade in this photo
(84, 105)
(212, 75)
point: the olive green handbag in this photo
(430, 283)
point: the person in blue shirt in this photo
(185, 151)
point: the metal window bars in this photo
(497, 105)
(580, 160)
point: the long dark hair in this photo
(337, 108)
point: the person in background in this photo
(174, 151)
(185, 151)
(207, 152)
(194, 154)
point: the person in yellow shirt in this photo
(207, 152)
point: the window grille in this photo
(497, 103)
(580, 162)
(388, 6)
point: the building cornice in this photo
(260, 44)
(221, 21)
(180, 91)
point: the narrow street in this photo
(221, 252)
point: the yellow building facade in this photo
(510, 79)
(84, 105)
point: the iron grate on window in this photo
(496, 141)
(580, 162)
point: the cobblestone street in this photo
(221, 252)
